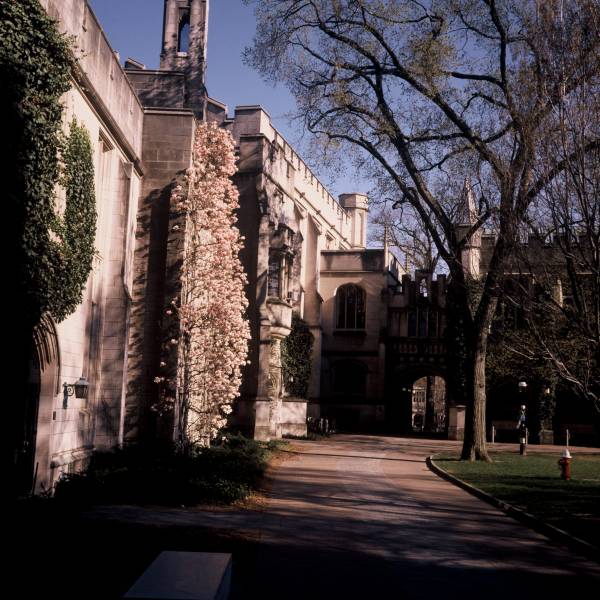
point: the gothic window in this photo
(274, 279)
(183, 35)
(279, 280)
(423, 288)
(433, 323)
(350, 304)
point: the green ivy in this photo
(50, 255)
(296, 352)
(76, 229)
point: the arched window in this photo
(183, 35)
(350, 305)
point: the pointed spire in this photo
(466, 213)
(557, 292)
(466, 217)
(386, 246)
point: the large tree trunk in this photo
(475, 445)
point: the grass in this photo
(532, 483)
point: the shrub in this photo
(223, 473)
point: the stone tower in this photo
(356, 206)
(466, 218)
(185, 27)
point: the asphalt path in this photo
(363, 517)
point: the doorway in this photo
(35, 412)
(417, 402)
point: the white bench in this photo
(185, 576)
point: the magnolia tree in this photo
(213, 331)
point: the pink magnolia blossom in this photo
(214, 333)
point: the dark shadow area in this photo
(336, 526)
(324, 573)
(98, 559)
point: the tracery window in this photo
(274, 279)
(281, 264)
(351, 307)
(423, 314)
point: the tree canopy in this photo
(439, 100)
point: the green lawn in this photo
(533, 484)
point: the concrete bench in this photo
(185, 576)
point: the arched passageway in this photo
(429, 404)
(417, 401)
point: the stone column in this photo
(275, 388)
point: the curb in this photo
(554, 533)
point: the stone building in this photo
(377, 330)
(290, 221)
(60, 430)
(305, 252)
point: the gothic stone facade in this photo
(375, 328)
(142, 125)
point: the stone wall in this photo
(167, 151)
(109, 89)
(364, 349)
(92, 340)
(277, 189)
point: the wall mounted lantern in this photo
(79, 389)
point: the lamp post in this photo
(546, 413)
(522, 423)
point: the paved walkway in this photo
(363, 517)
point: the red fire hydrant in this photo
(565, 465)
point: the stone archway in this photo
(403, 404)
(429, 404)
(32, 452)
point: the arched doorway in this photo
(429, 410)
(32, 451)
(417, 401)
